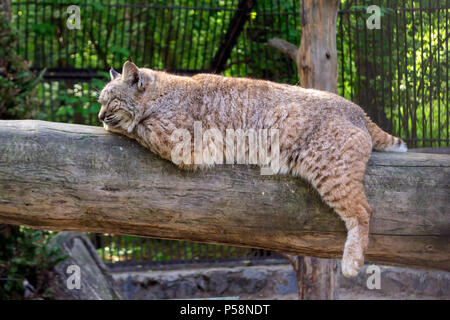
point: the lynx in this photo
(323, 137)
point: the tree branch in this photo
(284, 47)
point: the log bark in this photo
(72, 177)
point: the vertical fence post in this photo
(317, 56)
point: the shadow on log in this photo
(71, 177)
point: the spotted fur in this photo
(324, 138)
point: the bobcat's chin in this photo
(123, 125)
(119, 123)
(111, 128)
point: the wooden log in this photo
(71, 177)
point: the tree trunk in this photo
(71, 177)
(317, 279)
(317, 68)
(317, 57)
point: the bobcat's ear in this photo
(113, 73)
(132, 75)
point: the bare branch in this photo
(284, 47)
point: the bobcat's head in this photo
(122, 97)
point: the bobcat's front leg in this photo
(138, 117)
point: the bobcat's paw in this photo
(351, 266)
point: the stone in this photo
(252, 282)
(92, 282)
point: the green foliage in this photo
(70, 102)
(26, 255)
(398, 73)
(17, 83)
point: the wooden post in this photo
(317, 57)
(316, 61)
(317, 279)
(317, 68)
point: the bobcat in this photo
(323, 137)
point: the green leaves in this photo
(17, 83)
(26, 255)
(98, 5)
(44, 28)
(122, 51)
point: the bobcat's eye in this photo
(113, 105)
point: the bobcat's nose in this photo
(101, 116)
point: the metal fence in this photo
(128, 252)
(398, 73)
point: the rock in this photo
(397, 283)
(253, 282)
(82, 276)
(279, 282)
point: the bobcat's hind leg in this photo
(356, 217)
(337, 173)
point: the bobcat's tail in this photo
(383, 141)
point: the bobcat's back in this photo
(263, 104)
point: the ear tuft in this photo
(133, 76)
(130, 73)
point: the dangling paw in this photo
(352, 261)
